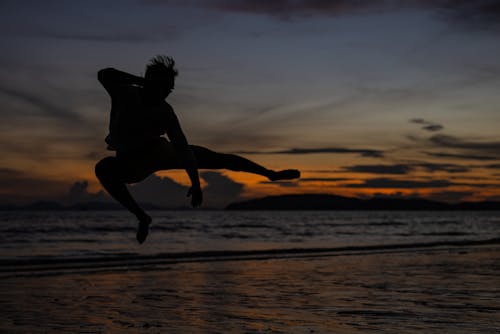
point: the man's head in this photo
(160, 76)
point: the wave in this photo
(246, 225)
(357, 224)
(128, 261)
(449, 233)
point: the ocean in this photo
(96, 236)
(250, 272)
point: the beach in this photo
(250, 166)
(442, 289)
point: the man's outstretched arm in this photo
(181, 146)
(112, 78)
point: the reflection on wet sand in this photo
(433, 290)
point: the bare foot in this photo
(143, 229)
(286, 174)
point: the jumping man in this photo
(140, 116)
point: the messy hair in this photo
(162, 64)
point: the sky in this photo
(366, 98)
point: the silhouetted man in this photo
(139, 118)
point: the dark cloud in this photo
(47, 107)
(427, 125)
(221, 190)
(379, 169)
(432, 127)
(395, 183)
(459, 147)
(483, 14)
(165, 33)
(297, 183)
(17, 186)
(9, 172)
(325, 150)
(19, 180)
(454, 142)
(493, 166)
(402, 169)
(460, 156)
(323, 179)
(78, 193)
(435, 167)
(363, 152)
(479, 14)
(163, 191)
(43, 147)
(478, 185)
(285, 9)
(283, 184)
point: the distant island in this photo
(334, 202)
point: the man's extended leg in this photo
(208, 159)
(163, 156)
(111, 176)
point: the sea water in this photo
(83, 272)
(32, 235)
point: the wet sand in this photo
(430, 290)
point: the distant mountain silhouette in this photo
(333, 202)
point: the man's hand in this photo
(196, 196)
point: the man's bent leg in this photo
(111, 176)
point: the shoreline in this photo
(54, 266)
